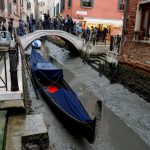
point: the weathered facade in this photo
(95, 13)
(135, 46)
(134, 56)
(11, 9)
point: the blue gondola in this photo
(61, 97)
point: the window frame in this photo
(145, 9)
(57, 9)
(69, 3)
(121, 5)
(140, 35)
(62, 6)
(86, 6)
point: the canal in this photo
(111, 132)
(59, 137)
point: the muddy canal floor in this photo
(60, 138)
(85, 81)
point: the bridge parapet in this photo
(27, 39)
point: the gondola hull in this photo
(84, 128)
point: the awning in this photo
(104, 21)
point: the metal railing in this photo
(5, 40)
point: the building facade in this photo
(134, 59)
(136, 35)
(42, 7)
(11, 9)
(93, 13)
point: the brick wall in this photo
(135, 54)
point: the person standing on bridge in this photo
(59, 18)
(10, 27)
(94, 36)
(87, 34)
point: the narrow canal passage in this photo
(116, 100)
(60, 138)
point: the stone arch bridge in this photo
(74, 41)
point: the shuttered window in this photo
(120, 4)
(145, 19)
(54, 11)
(69, 3)
(62, 6)
(87, 3)
(2, 6)
(9, 8)
(15, 1)
(57, 9)
(28, 5)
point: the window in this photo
(15, 1)
(69, 3)
(28, 5)
(120, 4)
(57, 9)
(54, 11)
(87, 3)
(62, 7)
(2, 6)
(9, 8)
(145, 19)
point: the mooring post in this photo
(13, 68)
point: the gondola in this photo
(60, 96)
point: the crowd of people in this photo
(91, 34)
(3, 27)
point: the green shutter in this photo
(9, 8)
(63, 4)
(69, 3)
(57, 9)
(2, 5)
(81, 3)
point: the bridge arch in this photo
(29, 38)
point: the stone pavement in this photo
(23, 129)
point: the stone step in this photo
(24, 132)
(2, 128)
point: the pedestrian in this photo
(87, 34)
(94, 36)
(21, 28)
(10, 27)
(4, 28)
(30, 25)
(55, 23)
(33, 24)
(104, 33)
(59, 22)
